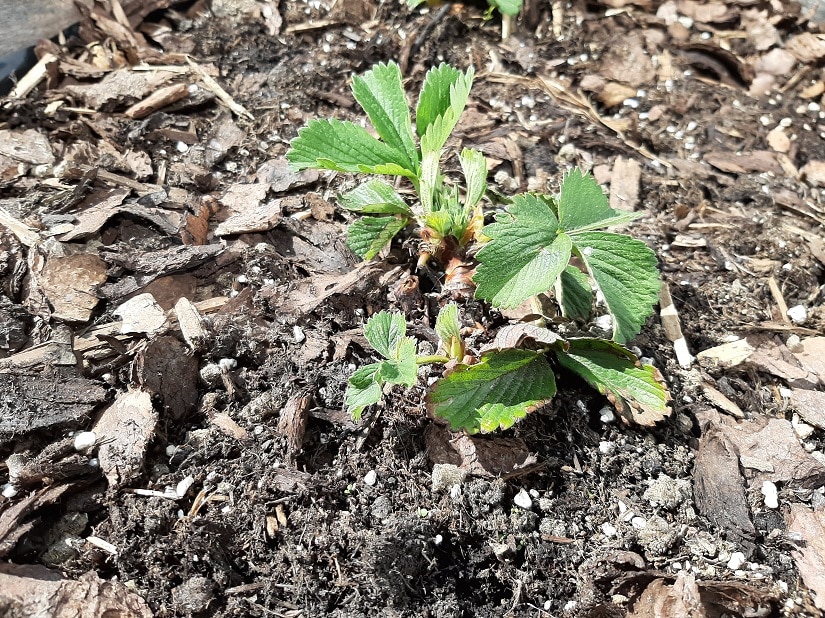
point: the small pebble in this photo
(84, 440)
(227, 364)
(9, 491)
(370, 478)
(606, 415)
(771, 495)
(298, 334)
(798, 314)
(606, 448)
(638, 523)
(604, 322)
(737, 559)
(523, 500)
(609, 529)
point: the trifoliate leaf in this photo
(507, 7)
(384, 331)
(584, 206)
(526, 254)
(624, 270)
(439, 127)
(375, 196)
(474, 166)
(402, 368)
(574, 294)
(368, 235)
(381, 94)
(363, 389)
(638, 392)
(344, 147)
(501, 389)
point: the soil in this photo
(251, 492)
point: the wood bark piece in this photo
(166, 369)
(810, 555)
(32, 402)
(718, 486)
(13, 524)
(157, 100)
(190, 324)
(34, 590)
(124, 431)
(141, 314)
(29, 146)
(810, 405)
(772, 449)
(624, 184)
(70, 283)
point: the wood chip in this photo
(45, 402)
(726, 355)
(158, 100)
(141, 314)
(124, 431)
(34, 590)
(293, 420)
(774, 444)
(624, 184)
(718, 486)
(810, 554)
(190, 324)
(165, 369)
(814, 173)
(29, 146)
(70, 283)
(13, 524)
(807, 47)
(810, 405)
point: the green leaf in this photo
(434, 99)
(625, 272)
(363, 389)
(638, 392)
(448, 328)
(344, 147)
(506, 7)
(375, 196)
(438, 128)
(429, 181)
(402, 368)
(526, 255)
(501, 389)
(574, 294)
(368, 235)
(474, 166)
(381, 94)
(584, 206)
(384, 331)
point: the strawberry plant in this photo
(537, 244)
(447, 219)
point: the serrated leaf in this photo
(375, 196)
(507, 7)
(438, 129)
(402, 368)
(624, 270)
(434, 99)
(574, 294)
(381, 94)
(474, 165)
(429, 182)
(526, 255)
(368, 235)
(363, 389)
(495, 393)
(343, 147)
(384, 331)
(638, 392)
(583, 205)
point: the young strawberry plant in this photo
(538, 244)
(447, 218)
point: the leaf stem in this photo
(433, 358)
